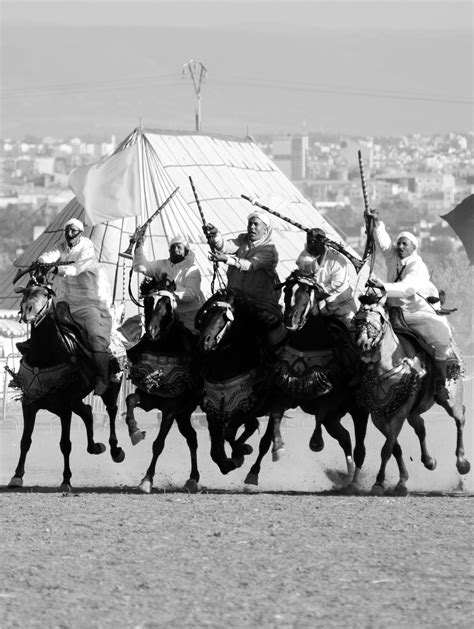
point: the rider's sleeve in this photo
(83, 260)
(141, 264)
(263, 257)
(192, 285)
(383, 239)
(337, 280)
(48, 257)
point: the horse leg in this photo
(66, 446)
(85, 413)
(29, 418)
(332, 423)
(240, 447)
(417, 422)
(186, 429)
(136, 435)
(218, 453)
(166, 422)
(278, 445)
(110, 398)
(390, 428)
(360, 417)
(456, 409)
(401, 487)
(263, 448)
(316, 443)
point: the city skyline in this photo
(355, 68)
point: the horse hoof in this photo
(400, 490)
(16, 481)
(431, 464)
(119, 457)
(66, 488)
(377, 490)
(251, 479)
(192, 486)
(145, 486)
(97, 448)
(316, 445)
(247, 449)
(137, 436)
(353, 489)
(277, 455)
(463, 467)
(238, 461)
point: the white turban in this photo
(409, 236)
(179, 240)
(261, 215)
(74, 222)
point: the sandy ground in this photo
(297, 554)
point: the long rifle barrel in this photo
(201, 214)
(358, 264)
(140, 231)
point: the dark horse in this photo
(164, 370)
(311, 374)
(398, 384)
(235, 375)
(56, 373)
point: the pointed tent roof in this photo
(222, 168)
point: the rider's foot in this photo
(100, 387)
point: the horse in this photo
(398, 384)
(164, 371)
(235, 375)
(56, 373)
(310, 374)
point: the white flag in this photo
(109, 190)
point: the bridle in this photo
(42, 313)
(311, 289)
(374, 320)
(170, 306)
(226, 313)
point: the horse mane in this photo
(154, 284)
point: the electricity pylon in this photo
(198, 74)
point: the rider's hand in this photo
(209, 231)
(66, 271)
(140, 241)
(374, 282)
(373, 213)
(218, 257)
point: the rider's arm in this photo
(337, 280)
(191, 287)
(141, 264)
(382, 238)
(84, 258)
(48, 257)
(263, 257)
(415, 277)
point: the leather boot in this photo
(441, 370)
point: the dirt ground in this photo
(297, 553)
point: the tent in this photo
(222, 168)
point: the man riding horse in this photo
(408, 286)
(84, 286)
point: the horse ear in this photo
(19, 289)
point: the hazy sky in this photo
(359, 67)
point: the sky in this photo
(353, 67)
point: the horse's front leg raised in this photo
(29, 418)
(239, 446)
(132, 401)
(418, 424)
(85, 413)
(109, 399)
(218, 453)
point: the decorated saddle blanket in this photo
(162, 374)
(304, 374)
(226, 398)
(35, 383)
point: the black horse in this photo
(165, 372)
(310, 373)
(56, 373)
(236, 375)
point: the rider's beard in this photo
(72, 242)
(176, 257)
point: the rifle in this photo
(369, 220)
(201, 213)
(358, 264)
(141, 229)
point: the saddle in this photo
(402, 330)
(71, 333)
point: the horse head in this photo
(36, 300)
(302, 295)
(160, 306)
(214, 319)
(370, 321)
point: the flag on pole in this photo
(109, 190)
(461, 221)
